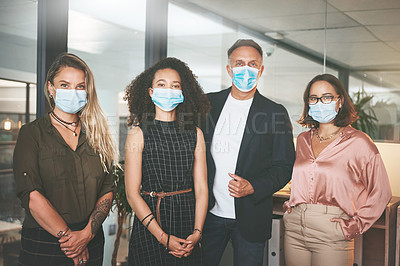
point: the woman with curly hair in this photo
(165, 165)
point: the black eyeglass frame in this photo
(329, 98)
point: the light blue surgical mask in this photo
(323, 113)
(167, 99)
(70, 101)
(245, 78)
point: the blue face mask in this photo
(70, 101)
(167, 99)
(323, 113)
(244, 78)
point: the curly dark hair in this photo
(192, 112)
(346, 114)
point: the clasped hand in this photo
(82, 258)
(74, 246)
(182, 247)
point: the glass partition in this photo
(203, 43)
(111, 41)
(384, 106)
(18, 30)
(110, 37)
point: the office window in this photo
(286, 76)
(110, 37)
(18, 30)
(202, 43)
(13, 105)
(384, 105)
(18, 20)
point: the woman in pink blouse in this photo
(339, 184)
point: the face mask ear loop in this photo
(231, 71)
(148, 93)
(52, 99)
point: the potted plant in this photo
(121, 205)
(367, 117)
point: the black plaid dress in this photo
(167, 165)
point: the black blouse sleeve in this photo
(26, 167)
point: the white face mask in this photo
(245, 78)
(70, 101)
(323, 113)
(167, 99)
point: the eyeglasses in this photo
(324, 99)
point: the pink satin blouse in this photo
(348, 173)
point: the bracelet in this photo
(201, 234)
(168, 241)
(62, 233)
(162, 234)
(196, 229)
(146, 217)
(151, 219)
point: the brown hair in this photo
(346, 114)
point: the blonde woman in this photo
(62, 170)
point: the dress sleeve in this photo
(375, 177)
(26, 166)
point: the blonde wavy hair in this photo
(93, 120)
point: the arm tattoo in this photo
(100, 213)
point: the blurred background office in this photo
(357, 41)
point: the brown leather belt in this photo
(161, 195)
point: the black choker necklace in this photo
(65, 124)
(74, 123)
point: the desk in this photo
(377, 246)
(9, 232)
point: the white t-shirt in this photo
(225, 147)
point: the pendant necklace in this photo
(321, 139)
(65, 123)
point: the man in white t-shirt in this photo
(250, 155)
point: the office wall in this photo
(390, 153)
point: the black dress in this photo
(167, 165)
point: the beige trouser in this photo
(311, 239)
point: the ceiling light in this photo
(7, 124)
(275, 35)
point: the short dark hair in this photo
(346, 114)
(245, 42)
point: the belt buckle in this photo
(153, 194)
